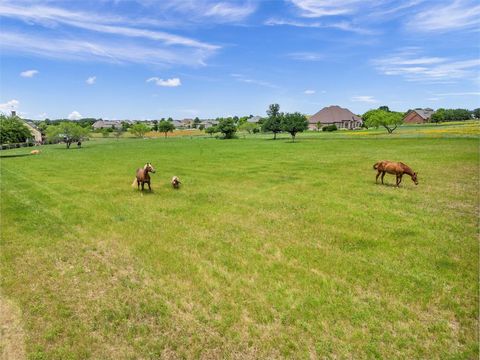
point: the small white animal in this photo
(176, 182)
(35, 152)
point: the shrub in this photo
(332, 127)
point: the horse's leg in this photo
(383, 175)
(376, 178)
(149, 188)
(138, 184)
(143, 184)
(399, 180)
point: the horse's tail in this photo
(134, 182)
(375, 166)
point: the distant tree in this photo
(388, 119)
(165, 127)
(442, 115)
(117, 132)
(13, 130)
(69, 132)
(384, 108)
(125, 126)
(227, 128)
(105, 132)
(201, 127)
(248, 127)
(211, 130)
(155, 127)
(139, 129)
(170, 119)
(438, 116)
(319, 125)
(196, 122)
(274, 121)
(294, 123)
(476, 113)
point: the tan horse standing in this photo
(395, 168)
(142, 176)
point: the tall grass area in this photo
(270, 249)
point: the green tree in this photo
(248, 127)
(117, 132)
(105, 132)
(125, 126)
(165, 127)
(388, 119)
(438, 116)
(476, 113)
(201, 127)
(211, 130)
(12, 130)
(139, 129)
(227, 128)
(68, 132)
(294, 123)
(274, 121)
(196, 122)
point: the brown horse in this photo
(142, 176)
(394, 168)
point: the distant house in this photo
(418, 116)
(335, 115)
(209, 123)
(187, 123)
(254, 120)
(106, 124)
(177, 123)
(37, 135)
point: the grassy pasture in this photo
(270, 249)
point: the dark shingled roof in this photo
(425, 114)
(333, 114)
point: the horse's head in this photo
(149, 168)
(414, 178)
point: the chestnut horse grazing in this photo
(394, 168)
(142, 176)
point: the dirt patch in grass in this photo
(12, 338)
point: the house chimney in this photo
(14, 113)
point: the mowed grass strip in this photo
(269, 249)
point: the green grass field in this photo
(271, 249)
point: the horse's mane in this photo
(406, 168)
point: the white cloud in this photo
(364, 98)
(9, 105)
(341, 25)
(245, 79)
(29, 73)
(47, 16)
(112, 51)
(468, 93)
(74, 115)
(319, 8)
(91, 80)
(309, 92)
(460, 14)
(158, 47)
(207, 10)
(230, 12)
(306, 56)
(173, 82)
(414, 67)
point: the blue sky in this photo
(149, 59)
